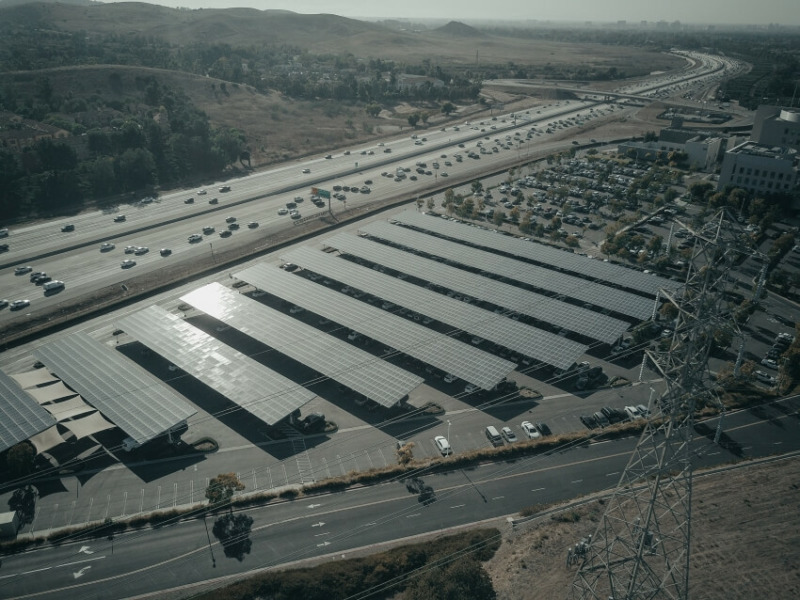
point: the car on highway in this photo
(189, 201)
(201, 192)
(230, 219)
(141, 250)
(225, 233)
(208, 229)
(252, 225)
(19, 304)
(128, 263)
(42, 279)
(3, 302)
(530, 430)
(119, 219)
(306, 171)
(214, 201)
(130, 249)
(106, 247)
(233, 226)
(68, 227)
(165, 252)
(35, 275)
(328, 156)
(22, 270)
(194, 238)
(442, 445)
(224, 188)
(283, 211)
(295, 214)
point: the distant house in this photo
(17, 133)
(411, 82)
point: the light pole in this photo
(448, 430)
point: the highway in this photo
(153, 560)
(75, 257)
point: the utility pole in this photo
(642, 545)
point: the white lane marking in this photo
(412, 516)
(458, 506)
(34, 571)
(612, 474)
(577, 481)
(537, 490)
(498, 497)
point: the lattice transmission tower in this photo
(641, 546)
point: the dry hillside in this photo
(745, 540)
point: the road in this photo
(149, 561)
(75, 257)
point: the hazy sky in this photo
(785, 12)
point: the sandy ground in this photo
(745, 541)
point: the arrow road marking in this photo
(314, 505)
(320, 524)
(80, 573)
(323, 544)
(321, 534)
(85, 550)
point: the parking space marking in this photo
(498, 497)
(412, 516)
(577, 481)
(612, 474)
(537, 490)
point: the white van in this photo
(493, 436)
(52, 286)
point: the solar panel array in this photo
(376, 379)
(561, 314)
(259, 390)
(135, 401)
(20, 415)
(568, 261)
(443, 352)
(499, 329)
(539, 277)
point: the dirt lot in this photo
(745, 540)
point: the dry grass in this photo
(745, 535)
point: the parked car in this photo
(589, 421)
(543, 429)
(450, 378)
(530, 430)
(770, 363)
(443, 445)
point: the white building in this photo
(775, 126)
(760, 169)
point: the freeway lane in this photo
(152, 560)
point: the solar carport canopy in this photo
(567, 261)
(259, 390)
(362, 372)
(519, 337)
(135, 401)
(443, 352)
(20, 415)
(539, 277)
(561, 314)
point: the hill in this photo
(458, 29)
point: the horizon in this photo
(611, 12)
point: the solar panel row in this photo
(443, 352)
(568, 261)
(135, 401)
(499, 329)
(20, 415)
(261, 391)
(561, 314)
(376, 379)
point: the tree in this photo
(222, 487)
(448, 107)
(413, 119)
(23, 500)
(233, 532)
(373, 110)
(476, 186)
(20, 459)
(405, 453)
(498, 218)
(431, 203)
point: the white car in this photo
(442, 445)
(470, 388)
(195, 237)
(510, 436)
(22, 270)
(296, 310)
(106, 246)
(530, 430)
(352, 336)
(201, 192)
(450, 378)
(770, 363)
(283, 211)
(633, 413)
(19, 304)
(140, 250)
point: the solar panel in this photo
(376, 379)
(443, 352)
(568, 261)
(561, 314)
(259, 390)
(539, 277)
(20, 415)
(135, 401)
(498, 329)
